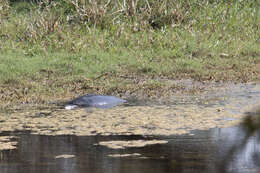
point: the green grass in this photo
(116, 46)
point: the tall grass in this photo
(55, 49)
(150, 36)
(54, 20)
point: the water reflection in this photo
(234, 149)
(227, 150)
(245, 152)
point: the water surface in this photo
(189, 134)
(214, 150)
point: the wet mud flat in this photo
(181, 114)
(139, 120)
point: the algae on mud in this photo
(6, 143)
(219, 107)
(139, 120)
(131, 143)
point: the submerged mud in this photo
(137, 120)
(6, 143)
(131, 143)
(64, 156)
(181, 115)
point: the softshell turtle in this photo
(94, 100)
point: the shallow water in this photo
(200, 151)
(186, 133)
(220, 107)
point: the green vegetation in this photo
(55, 49)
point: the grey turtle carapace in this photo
(94, 100)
